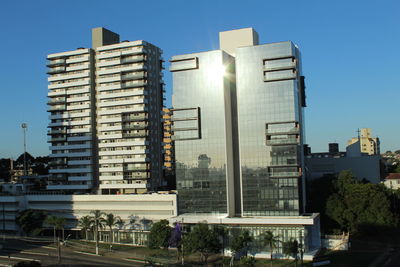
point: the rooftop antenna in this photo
(24, 127)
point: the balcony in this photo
(126, 118)
(282, 141)
(133, 84)
(132, 59)
(57, 100)
(58, 139)
(142, 175)
(139, 134)
(293, 130)
(133, 76)
(56, 70)
(57, 162)
(57, 108)
(57, 131)
(134, 126)
(56, 62)
(284, 174)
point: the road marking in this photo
(86, 253)
(18, 258)
(48, 247)
(141, 261)
(34, 253)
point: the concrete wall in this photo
(367, 167)
(153, 207)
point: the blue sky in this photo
(350, 53)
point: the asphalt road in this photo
(16, 250)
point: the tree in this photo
(270, 241)
(133, 221)
(85, 223)
(160, 233)
(203, 240)
(358, 207)
(222, 232)
(146, 223)
(175, 239)
(31, 221)
(97, 222)
(29, 159)
(240, 241)
(111, 221)
(57, 223)
(291, 248)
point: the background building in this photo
(105, 104)
(364, 143)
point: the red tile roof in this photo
(393, 176)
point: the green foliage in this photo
(240, 241)
(85, 223)
(247, 261)
(358, 206)
(270, 241)
(31, 221)
(203, 240)
(291, 248)
(159, 234)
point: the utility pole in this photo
(4, 224)
(59, 251)
(24, 128)
(183, 255)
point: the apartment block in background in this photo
(363, 144)
(169, 153)
(106, 106)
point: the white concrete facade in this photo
(128, 77)
(71, 95)
(153, 207)
(105, 107)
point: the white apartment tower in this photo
(105, 107)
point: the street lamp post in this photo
(24, 127)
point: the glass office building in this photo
(202, 131)
(270, 99)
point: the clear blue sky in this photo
(350, 52)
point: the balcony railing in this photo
(283, 141)
(55, 62)
(132, 59)
(134, 118)
(56, 70)
(133, 76)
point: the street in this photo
(16, 250)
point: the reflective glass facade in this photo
(269, 103)
(201, 116)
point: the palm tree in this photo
(52, 220)
(60, 223)
(111, 221)
(270, 241)
(133, 219)
(57, 223)
(146, 223)
(85, 224)
(97, 221)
